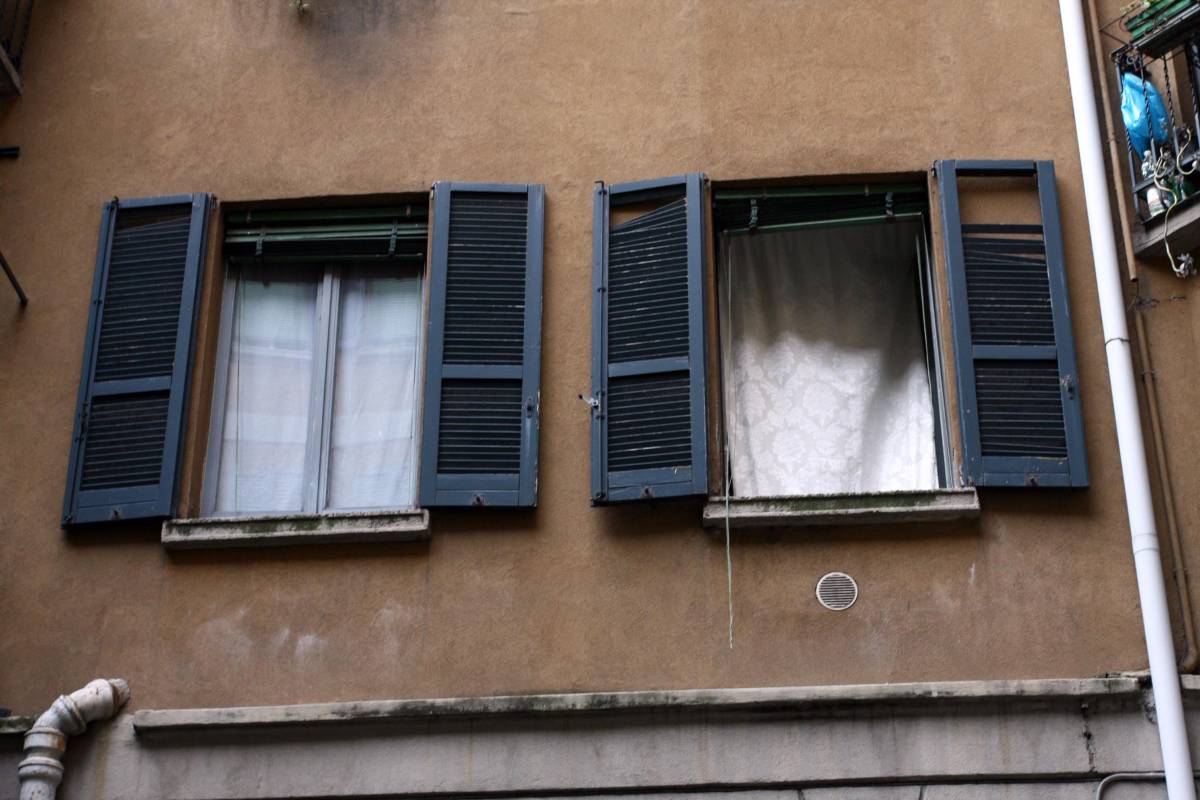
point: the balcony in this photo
(14, 30)
(1159, 55)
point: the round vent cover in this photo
(837, 591)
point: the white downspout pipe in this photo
(41, 771)
(1156, 623)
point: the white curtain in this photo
(372, 442)
(266, 419)
(265, 464)
(826, 389)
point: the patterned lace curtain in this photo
(826, 384)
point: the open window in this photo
(828, 342)
(796, 337)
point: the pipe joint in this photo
(41, 771)
(1145, 543)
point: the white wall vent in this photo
(837, 591)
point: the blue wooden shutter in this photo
(137, 359)
(649, 433)
(1014, 354)
(484, 350)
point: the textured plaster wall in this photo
(244, 99)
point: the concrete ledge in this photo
(843, 509)
(149, 721)
(273, 531)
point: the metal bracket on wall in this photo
(12, 152)
(13, 280)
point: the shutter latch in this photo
(1068, 384)
(529, 407)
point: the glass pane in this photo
(266, 427)
(372, 439)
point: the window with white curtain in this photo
(831, 376)
(316, 399)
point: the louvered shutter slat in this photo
(649, 435)
(1019, 407)
(129, 422)
(481, 400)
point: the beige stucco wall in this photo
(244, 99)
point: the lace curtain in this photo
(826, 388)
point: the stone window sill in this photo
(296, 529)
(843, 509)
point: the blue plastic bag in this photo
(1134, 95)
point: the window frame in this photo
(316, 457)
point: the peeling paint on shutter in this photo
(129, 422)
(649, 435)
(483, 356)
(1018, 396)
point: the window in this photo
(830, 374)
(795, 331)
(320, 380)
(367, 361)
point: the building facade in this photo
(455, 418)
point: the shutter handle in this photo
(593, 403)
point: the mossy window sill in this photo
(843, 509)
(296, 529)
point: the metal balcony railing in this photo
(1157, 67)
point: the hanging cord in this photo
(727, 360)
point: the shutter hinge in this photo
(258, 243)
(753, 226)
(889, 207)
(392, 240)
